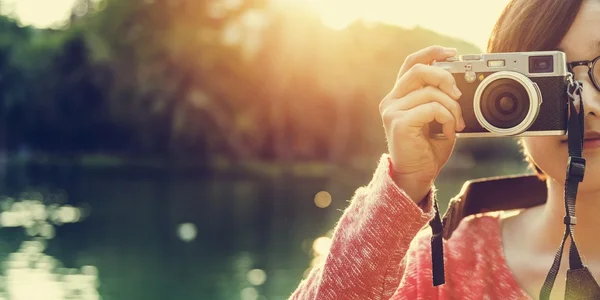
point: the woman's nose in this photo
(591, 99)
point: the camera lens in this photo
(504, 103)
(541, 64)
(507, 103)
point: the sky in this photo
(470, 20)
(40, 13)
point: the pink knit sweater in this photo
(379, 251)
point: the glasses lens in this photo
(596, 72)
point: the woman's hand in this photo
(422, 94)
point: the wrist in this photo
(416, 188)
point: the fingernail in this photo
(462, 124)
(457, 92)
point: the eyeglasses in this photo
(593, 69)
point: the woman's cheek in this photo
(549, 154)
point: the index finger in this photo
(421, 75)
(426, 56)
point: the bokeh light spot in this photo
(10, 219)
(321, 245)
(89, 270)
(317, 261)
(187, 232)
(256, 277)
(323, 199)
(38, 211)
(68, 214)
(47, 231)
(249, 293)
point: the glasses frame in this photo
(591, 64)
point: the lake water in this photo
(72, 232)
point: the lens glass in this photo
(541, 64)
(596, 73)
(504, 103)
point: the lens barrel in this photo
(507, 103)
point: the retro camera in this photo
(510, 94)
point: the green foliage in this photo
(203, 79)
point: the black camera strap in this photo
(437, 246)
(580, 282)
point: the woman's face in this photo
(582, 42)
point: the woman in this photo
(379, 250)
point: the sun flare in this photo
(464, 19)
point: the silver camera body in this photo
(510, 94)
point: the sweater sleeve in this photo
(369, 243)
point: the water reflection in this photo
(29, 273)
(160, 235)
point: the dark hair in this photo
(533, 25)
